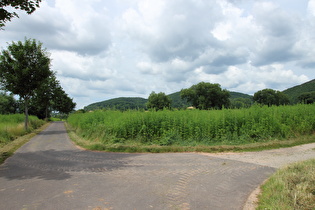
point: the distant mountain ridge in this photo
(125, 103)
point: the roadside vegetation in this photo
(257, 127)
(11, 131)
(292, 187)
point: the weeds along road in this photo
(49, 172)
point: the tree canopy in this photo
(307, 98)
(158, 101)
(25, 71)
(24, 67)
(8, 104)
(271, 97)
(29, 6)
(206, 96)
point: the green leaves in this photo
(206, 96)
(29, 6)
(24, 67)
(271, 97)
(158, 101)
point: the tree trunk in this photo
(46, 113)
(26, 113)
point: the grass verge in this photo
(8, 149)
(136, 147)
(292, 187)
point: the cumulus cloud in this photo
(70, 64)
(279, 33)
(65, 25)
(107, 49)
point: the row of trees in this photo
(25, 71)
(211, 96)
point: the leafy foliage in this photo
(158, 101)
(24, 67)
(7, 104)
(206, 96)
(25, 71)
(271, 97)
(307, 98)
(29, 6)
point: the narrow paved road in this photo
(49, 172)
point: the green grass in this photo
(292, 187)
(8, 149)
(195, 130)
(12, 126)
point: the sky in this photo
(129, 48)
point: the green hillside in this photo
(298, 90)
(177, 102)
(125, 103)
(122, 103)
(235, 95)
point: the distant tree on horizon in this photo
(158, 101)
(271, 97)
(206, 96)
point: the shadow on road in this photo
(58, 165)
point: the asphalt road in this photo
(49, 172)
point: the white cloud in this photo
(311, 7)
(106, 49)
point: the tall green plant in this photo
(190, 127)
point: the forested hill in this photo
(125, 103)
(298, 90)
(122, 103)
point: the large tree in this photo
(24, 67)
(158, 101)
(206, 96)
(271, 97)
(29, 6)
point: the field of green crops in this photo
(12, 126)
(195, 127)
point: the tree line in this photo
(206, 96)
(25, 72)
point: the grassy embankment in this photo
(13, 134)
(292, 187)
(256, 128)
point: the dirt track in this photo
(49, 172)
